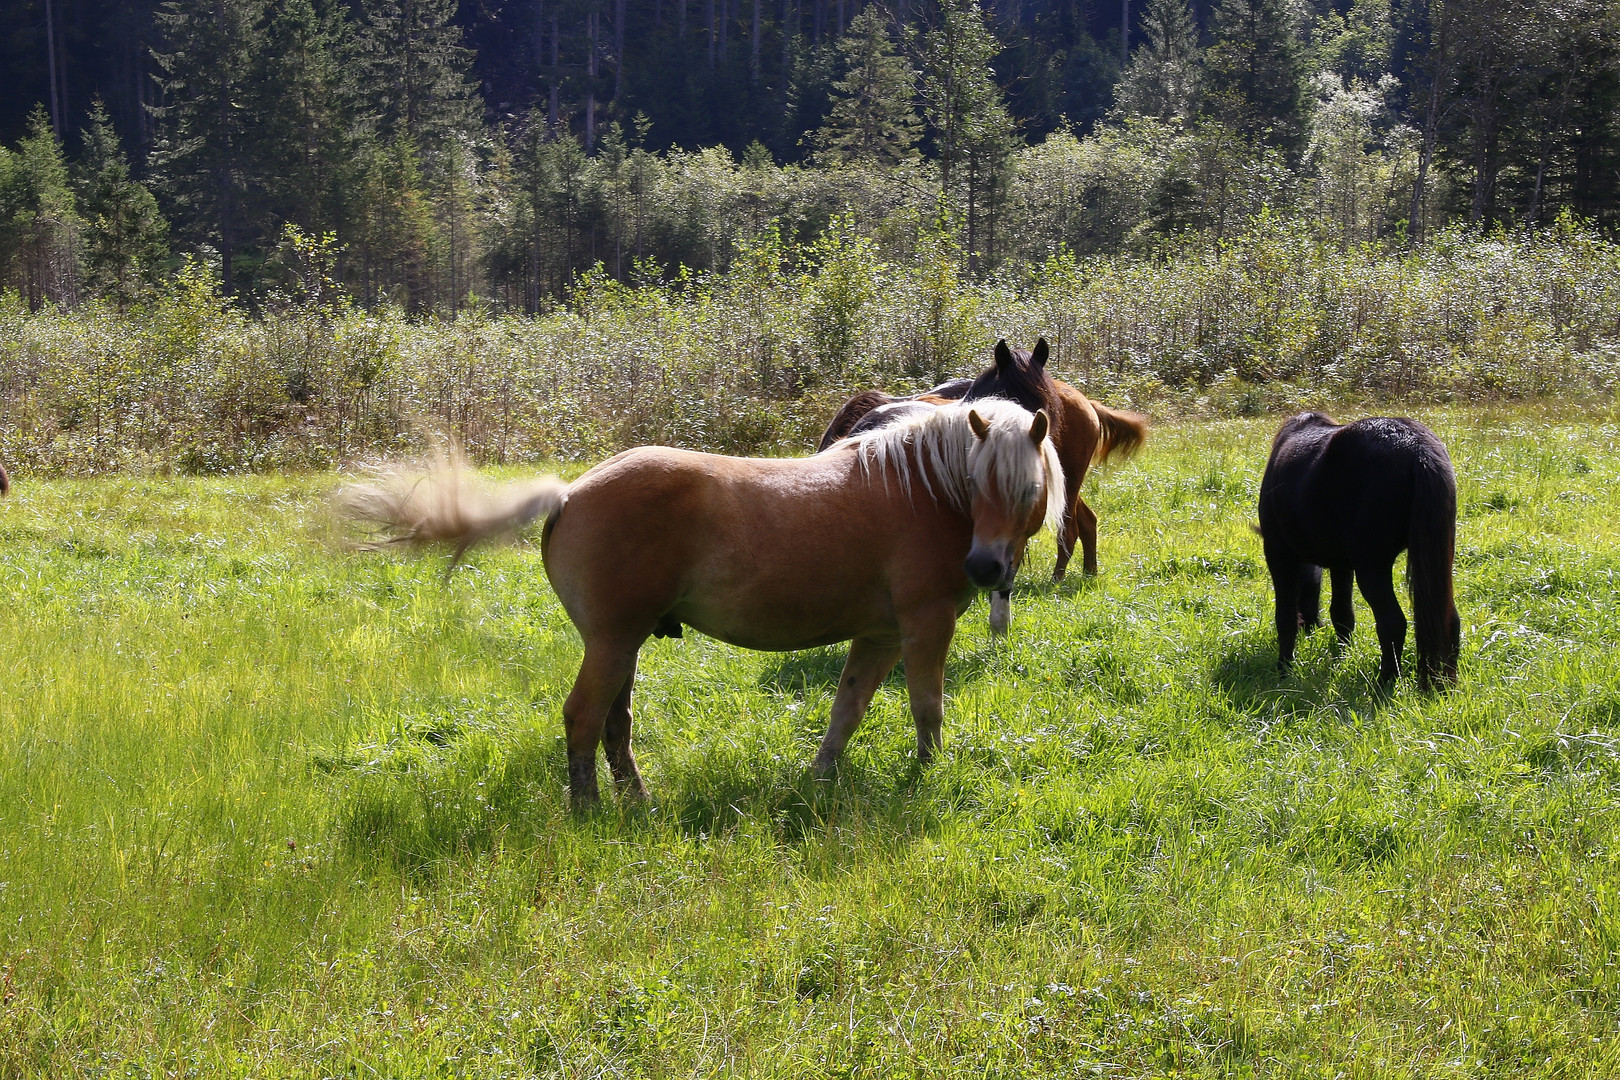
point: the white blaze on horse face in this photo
(1008, 501)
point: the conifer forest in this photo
(448, 154)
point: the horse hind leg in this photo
(1310, 597)
(604, 677)
(1377, 586)
(616, 743)
(865, 669)
(1285, 583)
(1343, 605)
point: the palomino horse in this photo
(1084, 433)
(1350, 499)
(881, 543)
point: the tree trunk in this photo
(50, 68)
(1431, 130)
(753, 64)
(590, 82)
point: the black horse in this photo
(5, 482)
(1350, 498)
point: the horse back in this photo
(849, 414)
(1343, 495)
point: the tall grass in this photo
(754, 359)
(273, 811)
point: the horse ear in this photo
(1038, 357)
(1004, 356)
(1037, 430)
(981, 429)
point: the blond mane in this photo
(939, 448)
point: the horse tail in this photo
(845, 419)
(444, 504)
(1431, 551)
(5, 481)
(1122, 432)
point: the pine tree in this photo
(1254, 73)
(39, 221)
(1162, 78)
(415, 70)
(873, 119)
(973, 133)
(125, 237)
(307, 108)
(204, 155)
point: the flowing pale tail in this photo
(1123, 433)
(407, 504)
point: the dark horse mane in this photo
(1017, 375)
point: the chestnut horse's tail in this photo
(1122, 432)
(444, 504)
(1431, 549)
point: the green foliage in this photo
(755, 358)
(282, 810)
(1254, 73)
(1161, 81)
(39, 221)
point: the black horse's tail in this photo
(1431, 549)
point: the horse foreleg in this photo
(1079, 523)
(616, 742)
(1343, 604)
(865, 669)
(1000, 611)
(1377, 585)
(924, 646)
(604, 675)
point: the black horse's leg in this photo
(866, 667)
(616, 743)
(1310, 597)
(603, 676)
(1377, 585)
(1285, 582)
(1343, 609)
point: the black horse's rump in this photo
(5, 481)
(1350, 499)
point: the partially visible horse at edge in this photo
(881, 542)
(1350, 499)
(1084, 433)
(5, 481)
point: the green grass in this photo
(271, 810)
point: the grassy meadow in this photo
(271, 809)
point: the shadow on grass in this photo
(1322, 679)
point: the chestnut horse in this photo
(1084, 433)
(881, 542)
(1350, 499)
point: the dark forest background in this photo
(435, 154)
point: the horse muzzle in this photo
(988, 570)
